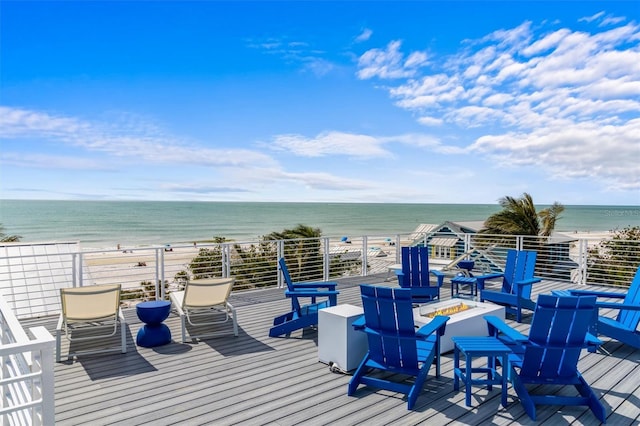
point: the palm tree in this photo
(300, 231)
(303, 253)
(549, 217)
(519, 217)
(8, 238)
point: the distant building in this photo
(451, 242)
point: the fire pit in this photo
(465, 318)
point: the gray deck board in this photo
(254, 379)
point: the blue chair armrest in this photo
(592, 341)
(490, 276)
(520, 285)
(320, 284)
(439, 276)
(497, 325)
(530, 281)
(577, 292)
(438, 323)
(390, 334)
(309, 293)
(482, 278)
(614, 305)
(359, 323)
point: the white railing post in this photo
(326, 260)
(583, 248)
(47, 387)
(79, 273)
(74, 268)
(226, 260)
(161, 278)
(365, 246)
(467, 242)
(159, 253)
(519, 242)
(280, 253)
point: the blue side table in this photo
(475, 347)
(458, 281)
(154, 332)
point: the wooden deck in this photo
(254, 379)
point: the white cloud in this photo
(318, 66)
(430, 121)
(497, 99)
(16, 122)
(47, 161)
(350, 144)
(585, 150)
(296, 52)
(546, 43)
(612, 20)
(331, 143)
(415, 59)
(563, 101)
(604, 19)
(389, 63)
(326, 181)
(135, 140)
(364, 35)
(592, 17)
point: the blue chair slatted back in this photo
(295, 304)
(390, 328)
(520, 265)
(557, 336)
(415, 267)
(627, 317)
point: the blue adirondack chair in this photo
(549, 355)
(517, 280)
(302, 316)
(624, 327)
(394, 344)
(415, 275)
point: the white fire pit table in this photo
(338, 342)
(467, 322)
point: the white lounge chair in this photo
(87, 309)
(205, 298)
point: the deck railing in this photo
(26, 373)
(30, 279)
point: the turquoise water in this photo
(103, 224)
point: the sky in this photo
(320, 101)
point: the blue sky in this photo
(421, 102)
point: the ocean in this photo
(104, 224)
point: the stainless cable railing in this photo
(30, 277)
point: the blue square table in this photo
(471, 347)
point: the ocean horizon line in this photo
(495, 203)
(106, 223)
